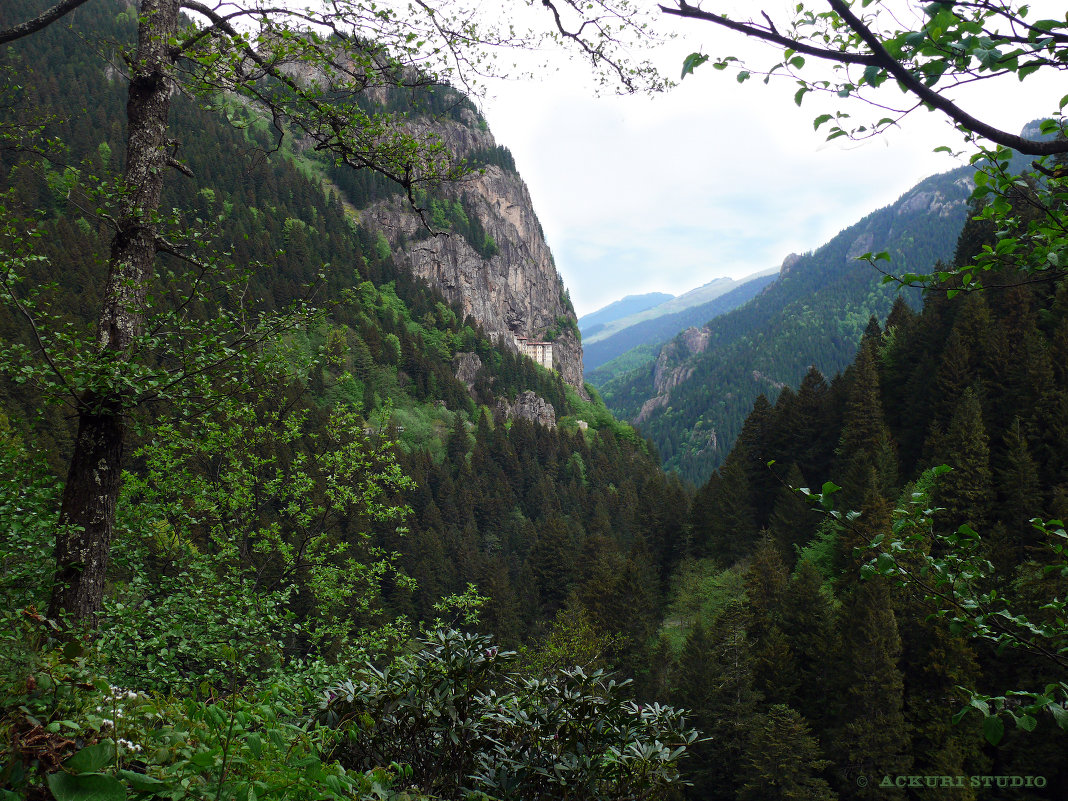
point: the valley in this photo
(313, 483)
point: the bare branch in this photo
(41, 22)
(687, 11)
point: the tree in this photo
(344, 50)
(783, 760)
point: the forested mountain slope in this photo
(323, 495)
(784, 627)
(524, 489)
(692, 400)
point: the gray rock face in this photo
(516, 292)
(467, 366)
(528, 406)
(788, 263)
(670, 370)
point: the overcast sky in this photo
(714, 178)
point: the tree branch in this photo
(38, 23)
(932, 98)
(687, 11)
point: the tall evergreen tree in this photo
(870, 735)
(865, 445)
(965, 494)
(722, 519)
(715, 681)
(783, 760)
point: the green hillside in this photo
(316, 492)
(813, 315)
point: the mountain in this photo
(691, 401)
(695, 297)
(593, 322)
(493, 261)
(638, 342)
(509, 479)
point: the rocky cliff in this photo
(511, 289)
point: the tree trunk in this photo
(87, 513)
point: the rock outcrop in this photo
(467, 366)
(528, 406)
(514, 292)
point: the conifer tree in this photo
(765, 583)
(456, 444)
(1019, 495)
(551, 563)
(792, 522)
(715, 682)
(811, 443)
(865, 443)
(870, 735)
(722, 520)
(808, 622)
(783, 760)
(965, 493)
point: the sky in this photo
(713, 178)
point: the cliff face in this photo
(514, 292)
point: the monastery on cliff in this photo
(540, 352)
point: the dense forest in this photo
(343, 567)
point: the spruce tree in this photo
(965, 494)
(865, 445)
(783, 760)
(722, 519)
(808, 623)
(870, 736)
(792, 522)
(715, 681)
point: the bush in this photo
(467, 725)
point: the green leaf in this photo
(87, 787)
(141, 782)
(1026, 722)
(91, 758)
(692, 62)
(822, 118)
(1060, 714)
(993, 730)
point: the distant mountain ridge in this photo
(655, 332)
(593, 322)
(695, 297)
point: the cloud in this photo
(639, 194)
